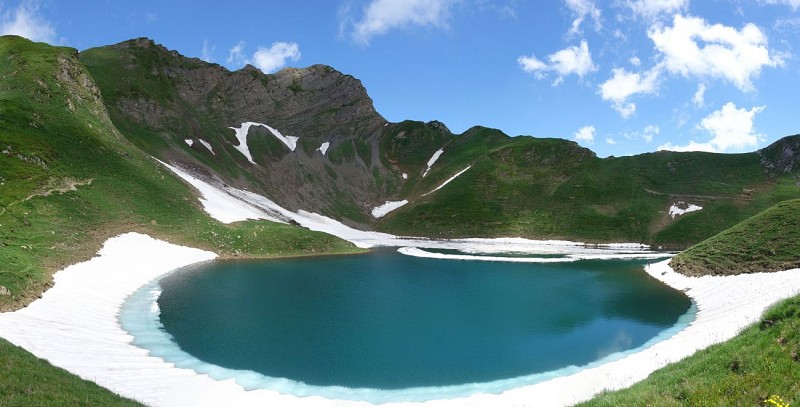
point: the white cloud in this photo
(236, 55)
(585, 133)
(26, 22)
(270, 59)
(731, 128)
(267, 60)
(794, 4)
(691, 47)
(625, 84)
(699, 97)
(582, 9)
(610, 141)
(208, 52)
(653, 9)
(381, 16)
(570, 60)
(649, 132)
(635, 61)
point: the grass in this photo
(30, 381)
(766, 242)
(555, 189)
(759, 363)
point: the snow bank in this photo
(565, 256)
(223, 206)
(381, 211)
(680, 208)
(433, 159)
(206, 145)
(75, 326)
(241, 135)
(448, 181)
(323, 148)
(189, 141)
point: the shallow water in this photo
(388, 321)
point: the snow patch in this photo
(405, 176)
(448, 181)
(227, 204)
(241, 135)
(381, 211)
(189, 141)
(680, 208)
(433, 159)
(324, 147)
(206, 145)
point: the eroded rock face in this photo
(782, 157)
(154, 90)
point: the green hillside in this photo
(769, 241)
(69, 180)
(553, 188)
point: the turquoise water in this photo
(388, 321)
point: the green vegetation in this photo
(552, 188)
(759, 363)
(28, 381)
(769, 241)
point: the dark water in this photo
(384, 320)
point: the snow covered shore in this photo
(75, 324)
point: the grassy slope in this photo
(550, 188)
(68, 181)
(29, 381)
(766, 242)
(760, 362)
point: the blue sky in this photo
(619, 76)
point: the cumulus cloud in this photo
(654, 9)
(25, 21)
(585, 133)
(610, 141)
(275, 57)
(582, 9)
(570, 60)
(381, 16)
(692, 47)
(268, 60)
(731, 129)
(624, 84)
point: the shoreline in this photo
(75, 326)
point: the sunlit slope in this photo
(69, 180)
(552, 188)
(768, 241)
